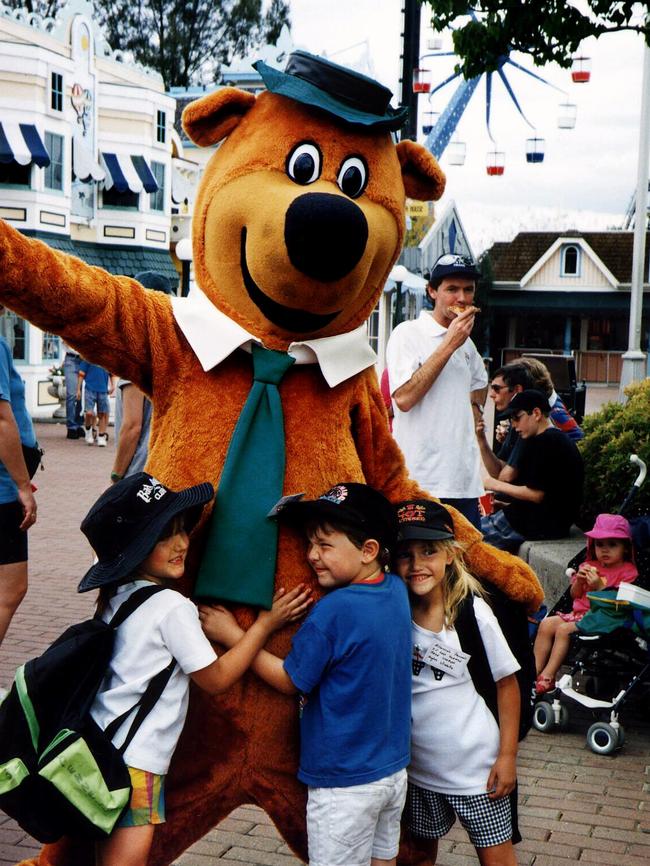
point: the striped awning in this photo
(22, 143)
(84, 164)
(128, 172)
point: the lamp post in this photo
(634, 360)
(184, 255)
(398, 274)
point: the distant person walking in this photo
(17, 501)
(98, 386)
(73, 414)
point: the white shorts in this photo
(348, 826)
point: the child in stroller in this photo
(609, 562)
(609, 656)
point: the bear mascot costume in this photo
(298, 221)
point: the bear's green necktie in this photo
(238, 563)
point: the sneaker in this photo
(102, 440)
(88, 435)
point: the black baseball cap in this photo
(126, 522)
(452, 265)
(356, 505)
(526, 401)
(423, 519)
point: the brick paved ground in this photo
(576, 807)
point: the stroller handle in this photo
(634, 458)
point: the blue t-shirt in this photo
(351, 660)
(12, 389)
(96, 377)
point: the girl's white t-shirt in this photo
(454, 736)
(166, 626)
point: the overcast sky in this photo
(589, 173)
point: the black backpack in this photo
(513, 619)
(60, 774)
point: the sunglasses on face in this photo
(497, 388)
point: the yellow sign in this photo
(416, 208)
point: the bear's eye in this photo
(353, 176)
(303, 164)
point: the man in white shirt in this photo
(436, 378)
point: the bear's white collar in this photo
(214, 336)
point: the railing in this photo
(594, 367)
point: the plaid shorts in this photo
(430, 815)
(147, 804)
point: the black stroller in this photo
(601, 665)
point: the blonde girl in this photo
(463, 759)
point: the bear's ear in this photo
(423, 178)
(213, 117)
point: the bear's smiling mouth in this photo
(299, 321)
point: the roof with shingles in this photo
(512, 260)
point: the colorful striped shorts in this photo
(147, 804)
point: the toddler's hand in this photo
(219, 624)
(287, 607)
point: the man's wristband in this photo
(115, 476)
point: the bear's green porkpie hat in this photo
(346, 94)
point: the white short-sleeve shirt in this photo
(454, 736)
(165, 626)
(437, 435)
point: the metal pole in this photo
(634, 360)
(397, 312)
(185, 279)
(410, 58)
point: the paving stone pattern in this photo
(576, 807)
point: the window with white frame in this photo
(56, 91)
(373, 329)
(53, 173)
(570, 261)
(157, 198)
(161, 126)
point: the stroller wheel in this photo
(621, 736)
(602, 738)
(543, 717)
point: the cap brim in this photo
(415, 533)
(303, 91)
(613, 534)
(301, 513)
(191, 500)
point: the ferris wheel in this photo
(439, 129)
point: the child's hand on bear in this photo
(219, 624)
(287, 607)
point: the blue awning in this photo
(22, 143)
(128, 173)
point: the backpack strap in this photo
(156, 686)
(478, 665)
(133, 602)
(144, 705)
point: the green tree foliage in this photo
(185, 39)
(547, 30)
(44, 8)
(611, 435)
(181, 39)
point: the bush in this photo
(611, 435)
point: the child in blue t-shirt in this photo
(350, 661)
(99, 385)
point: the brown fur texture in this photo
(242, 747)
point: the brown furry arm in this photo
(384, 468)
(111, 321)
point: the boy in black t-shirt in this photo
(548, 487)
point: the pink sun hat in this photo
(610, 526)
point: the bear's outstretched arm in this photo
(111, 321)
(384, 468)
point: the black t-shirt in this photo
(549, 462)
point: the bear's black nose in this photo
(325, 235)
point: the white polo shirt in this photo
(437, 435)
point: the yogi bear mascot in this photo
(262, 383)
